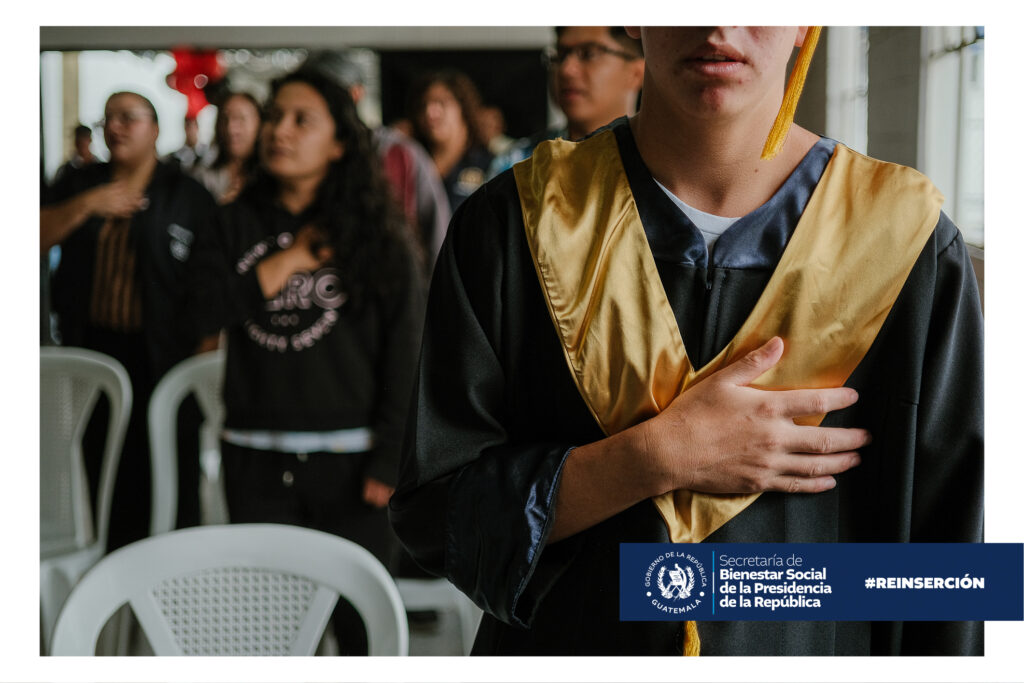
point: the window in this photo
(952, 150)
(846, 116)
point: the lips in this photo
(709, 52)
(570, 93)
(715, 61)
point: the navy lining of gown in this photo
(755, 241)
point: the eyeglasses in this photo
(587, 53)
(125, 118)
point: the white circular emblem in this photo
(179, 250)
(675, 582)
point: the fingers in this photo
(816, 466)
(754, 364)
(129, 207)
(811, 473)
(324, 254)
(826, 439)
(804, 402)
(117, 199)
(788, 484)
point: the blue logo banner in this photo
(821, 581)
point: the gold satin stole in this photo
(847, 260)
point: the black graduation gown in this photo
(497, 412)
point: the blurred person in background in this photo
(189, 154)
(82, 155)
(443, 109)
(313, 277)
(126, 230)
(491, 121)
(413, 178)
(234, 157)
(595, 74)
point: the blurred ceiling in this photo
(267, 37)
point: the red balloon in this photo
(194, 71)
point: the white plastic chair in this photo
(240, 589)
(70, 540)
(440, 594)
(202, 375)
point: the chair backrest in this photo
(70, 381)
(203, 376)
(240, 589)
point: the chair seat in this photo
(241, 589)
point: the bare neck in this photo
(446, 155)
(138, 174)
(723, 173)
(577, 130)
(297, 195)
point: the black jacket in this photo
(307, 359)
(163, 234)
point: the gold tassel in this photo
(691, 641)
(780, 129)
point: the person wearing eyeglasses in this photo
(595, 74)
(126, 228)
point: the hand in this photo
(117, 199)
(723, 436)
(310, 242)
(376, 493)
(306, 253)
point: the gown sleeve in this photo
(947, 500)
(476, 492)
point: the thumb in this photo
(754, 364)
(324, 254)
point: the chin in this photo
(121, 158)
(276, 169)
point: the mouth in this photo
(715, 59)
(708, 52)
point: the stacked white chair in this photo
(71, 541)
(243, 589)
(438, 595)
(203, 376)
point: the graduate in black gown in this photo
(592, 372)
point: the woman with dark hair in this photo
(444, 110)
(311, 274)
(235, 136)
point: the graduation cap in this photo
(780, 129)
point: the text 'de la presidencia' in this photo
(821, 581)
